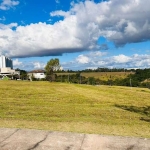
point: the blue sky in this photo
(83, 34)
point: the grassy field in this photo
(108, 110)
(106, 75)
(102, 75)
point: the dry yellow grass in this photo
(108, 110)
(102, 75)
(106, 75)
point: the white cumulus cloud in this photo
(38, 65)
(121, 59)
(28, 65)
(17, 63)
(119, 21)
(90, 60)
(7, 4)
(82, 59)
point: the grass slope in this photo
(76, 108)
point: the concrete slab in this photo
(99, 142)
(25, 139)
(6, 133)
(61, 141)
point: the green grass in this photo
(5, 78)
(107, 110)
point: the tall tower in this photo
(5, 62)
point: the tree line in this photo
(140, 77)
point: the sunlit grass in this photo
(77, 108)
(106, 75)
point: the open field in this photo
(102, 75)
(109, 110)
(106, 75)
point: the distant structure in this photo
(6, 62)
(6, 67)
(37, 74)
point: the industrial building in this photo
(6, 66)
(6, 62)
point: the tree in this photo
(23, 74)
(52, 65)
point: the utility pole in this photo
(130, 82)
(68, 78)
(80, 79)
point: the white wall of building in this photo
(8, 71)
(39, 75)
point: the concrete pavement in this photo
(26, 139)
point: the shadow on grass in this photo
(140, 110)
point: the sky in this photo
(82, 34)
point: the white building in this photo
(6, 67)
(7, 70)
(38, 74)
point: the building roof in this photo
(37, 71)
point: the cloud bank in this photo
(31, 65)
(92, 60)
(120, 21)
(97, 59)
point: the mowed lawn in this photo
(108, 110)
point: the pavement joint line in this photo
(82, 142)
(37, 144)
(9, 137)
(16, 139)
